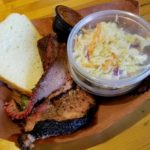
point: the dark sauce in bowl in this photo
(64, 21)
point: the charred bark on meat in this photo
(50, 128)
(62, 115)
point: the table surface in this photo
(137, 137)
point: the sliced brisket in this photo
(55, 80)
(48, 48)
(62, 115)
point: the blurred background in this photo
(39, 8)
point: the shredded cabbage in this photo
(107, 51)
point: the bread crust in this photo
(16, 87)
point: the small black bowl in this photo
(64, 21)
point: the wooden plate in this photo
(113, 114)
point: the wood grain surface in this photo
(137, 136)
(39, 8)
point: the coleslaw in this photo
(109, 52)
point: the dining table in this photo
(133, 137)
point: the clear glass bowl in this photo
(130, 23)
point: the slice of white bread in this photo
(20, 63)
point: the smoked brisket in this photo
(54, 81)
(62, 115)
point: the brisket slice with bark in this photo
(62, 115)
(48, 48)
(54, 81)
